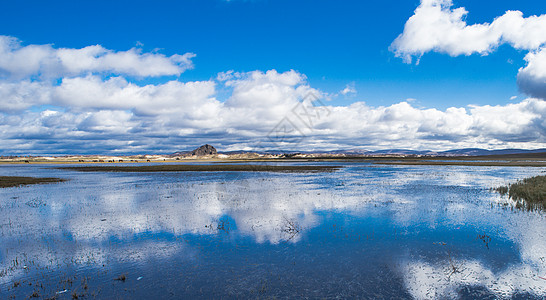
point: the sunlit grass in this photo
(528, 192)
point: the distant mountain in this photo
(403, 151)
(210, 150)
(204, 150)
(455, 152)
(201, 151)
(483, 152)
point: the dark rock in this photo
(204, 150)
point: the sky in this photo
(134, 77)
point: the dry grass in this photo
(528, 192)
(12, 181)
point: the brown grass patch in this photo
(11, 181)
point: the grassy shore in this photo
(530, 192)
(11, 181)
(519, 160)
(204, 168)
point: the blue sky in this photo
(331, 45)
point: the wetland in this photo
(359, 230)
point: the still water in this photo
(364, 231)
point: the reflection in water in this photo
(369, 231)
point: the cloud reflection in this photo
(83, 216)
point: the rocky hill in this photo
(204, 150)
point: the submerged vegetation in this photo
(528, 192)
(12, 181)
(205, 168)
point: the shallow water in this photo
(365, 231)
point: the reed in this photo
(529, 192)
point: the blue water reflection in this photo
(368, 231)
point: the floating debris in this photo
(121, 277)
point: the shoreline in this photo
(205, 168)
(403, 161)
(18, 181)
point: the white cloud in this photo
(349, 89)
(117, 115)
(532, 78)
(18, 96)
(111, 121)
(261, 99)
(17, 61)
(84, 111)
(437, 26)
(117, 93)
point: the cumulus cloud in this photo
(117, 93)
(532, 78)
(437, 26)
(348, 90)
(17, 61)
(264, 98)
(114, 115)
(87, 112)
(18, 96)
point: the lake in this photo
(363, 231)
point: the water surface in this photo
(366, 231)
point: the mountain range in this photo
(358, 152)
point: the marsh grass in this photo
(529, 193)
(503, 190)
(12, 181)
